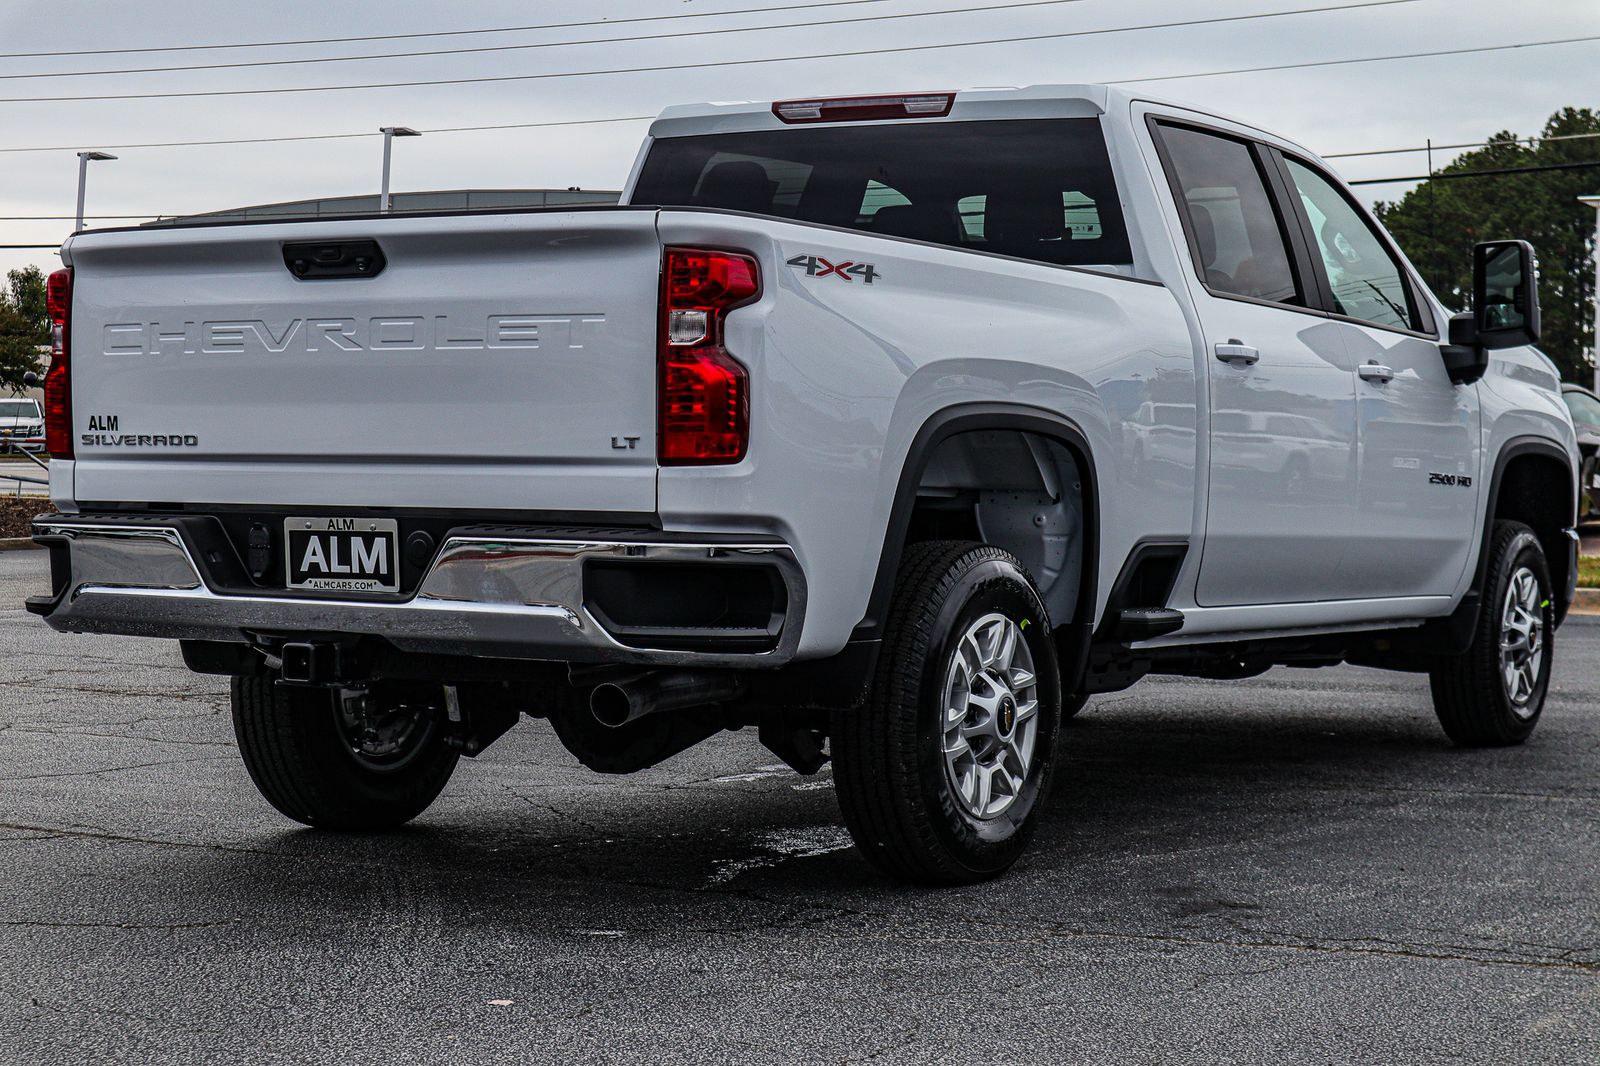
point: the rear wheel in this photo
(942, 775)
(343, 759)
(1493, 693)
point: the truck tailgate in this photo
(494, 362)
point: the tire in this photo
(911, 808)
(300, 752)
(1473, 691)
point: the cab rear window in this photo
(1039, 189)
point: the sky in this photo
(1330, 109)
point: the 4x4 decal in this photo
(818, 267)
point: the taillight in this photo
(58, 379)
(865, 108)
(703, 393)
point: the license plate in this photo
(342, 554)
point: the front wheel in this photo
(1492, 694)
(343, 759)
(943, 774)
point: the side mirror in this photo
(1505, 294)
(1505, 308)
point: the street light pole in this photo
(389, 134)
(84, 159)
(1594, 352)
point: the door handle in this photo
(1237, 353)
(1372, 371)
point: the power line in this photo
(1444, 175)
(1465, 144)
(338, 136)
(438, 33)
(569, 44)
(874, 52)
(1346, 62)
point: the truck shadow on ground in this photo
(1151, 813)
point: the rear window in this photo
(1039, 189)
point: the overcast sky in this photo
(1330, 109)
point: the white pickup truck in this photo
(893, 427)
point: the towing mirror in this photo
(1505, 294)
(1505, 308)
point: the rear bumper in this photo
(508, 593)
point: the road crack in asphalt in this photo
(164, 1023)
(130, 926)
(1286, 942)
(40, 731)
(1114, 765)
(57, 832)
(112, 769)
(541, 805)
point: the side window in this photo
(1367, 281)
(1080, 218)
(877, 197)
(1238, 237)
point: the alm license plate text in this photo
(342, 554)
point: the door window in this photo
(1236, 235)
(1366, 279)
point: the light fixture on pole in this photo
(389, 134)
(84, 158)
(1594, 352)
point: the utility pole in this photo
(84, 159)
(389, 134)
(1594, 349)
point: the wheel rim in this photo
(990, 717)
(1522, 640)
(382, 733)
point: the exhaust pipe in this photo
(616, 703)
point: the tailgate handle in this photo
(321, 260)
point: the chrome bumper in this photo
(508, 596)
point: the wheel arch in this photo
(975, 418)
(1532, 482)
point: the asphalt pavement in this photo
(1297, 868)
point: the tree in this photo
(24, 326)
(1439, 221)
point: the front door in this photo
(1417, 432)
(1282, 500)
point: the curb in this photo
(1587, 602)
(17, 544)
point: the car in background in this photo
(1585, 408)
(21, 425)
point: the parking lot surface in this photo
(1297, 868)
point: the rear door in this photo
(1281, 511)
(492, 362)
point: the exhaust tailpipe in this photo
(616, 703)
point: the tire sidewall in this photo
(992, 585)
(1523, 550)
